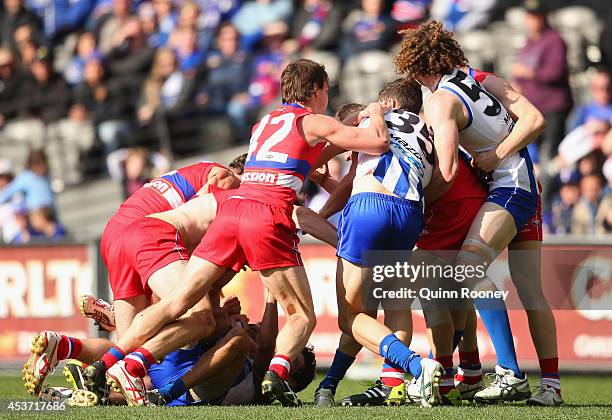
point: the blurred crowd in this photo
(121, 87)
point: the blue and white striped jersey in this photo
(406, 168)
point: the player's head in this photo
(237, 165)
(305, 82)
(428, 51)
(303, 369)
(405, 94)
(348, 110)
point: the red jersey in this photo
(165, 193)
(279, 158)
(466, 185)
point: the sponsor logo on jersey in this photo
(261, 177)
(159, 185)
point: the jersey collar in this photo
(293, 104)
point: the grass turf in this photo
(586, 397)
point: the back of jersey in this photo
(406, 168)
(489, 123)
(279, 158)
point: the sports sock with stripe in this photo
(137, 362)
(398, 353)
(448, 382)
(549, 371)
(281, 365)
(391, 375)
(341, 363)
(69, 347)
(112, 356)
(470, 369)
(173, 389)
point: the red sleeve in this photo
(480, 76)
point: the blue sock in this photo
(398, 353)
(495, 318)
(341, 363)
(457, 336)
(172, 390)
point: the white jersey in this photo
(406, 168)
(489, 123)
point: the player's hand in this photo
(240, 321)
(318, 175)
(231, 305)
(374, 108)
(486, 161)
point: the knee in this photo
(205, 324)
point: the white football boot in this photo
(42, 362)
(99, 310)
(429, 382)
(505, 388)
(546, 396)
(131, 387)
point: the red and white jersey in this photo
(165, 193)
(279, 158)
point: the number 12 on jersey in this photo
(265, 152)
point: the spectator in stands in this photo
(148, 23)
(585, 211)
(85, 49)
(45, 226)
(165, 89)
(316, 24)
(67, 134)
(254, 15)
(61, 17)
(366, 29)
(599, 112)
(166, 20)
(33, 183)
(15, 15)
(268, 65)
(135, 167)
(131, 58)
(227, 81)
(184, 42)
(605, 41)
(563, 206)
(541, 73)
(9, 227)
(106, 103)
(108, 27)
(44, 94)
(463, 16)
(21, 233)
(409, 13)
(10, 85)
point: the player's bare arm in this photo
(340, 196)
(443, 113)
(372, 140)
(437, 187)
(315, 225)
(529, 123)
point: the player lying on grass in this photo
(189, 223)
(254, 225)
(231, 371)
(384, 213)
(462, 112)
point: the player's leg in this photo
(49, 347)
(492, 230)
(347, 350)
(379, 339)
(524, 260)
(126, 310)
(291, 289)
(317, 226)
(468, 380)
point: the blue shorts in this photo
(522, 205)
(173, 367)
(377, 222)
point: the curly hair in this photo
(429, 50)
(237, 165)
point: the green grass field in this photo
(586, 398)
